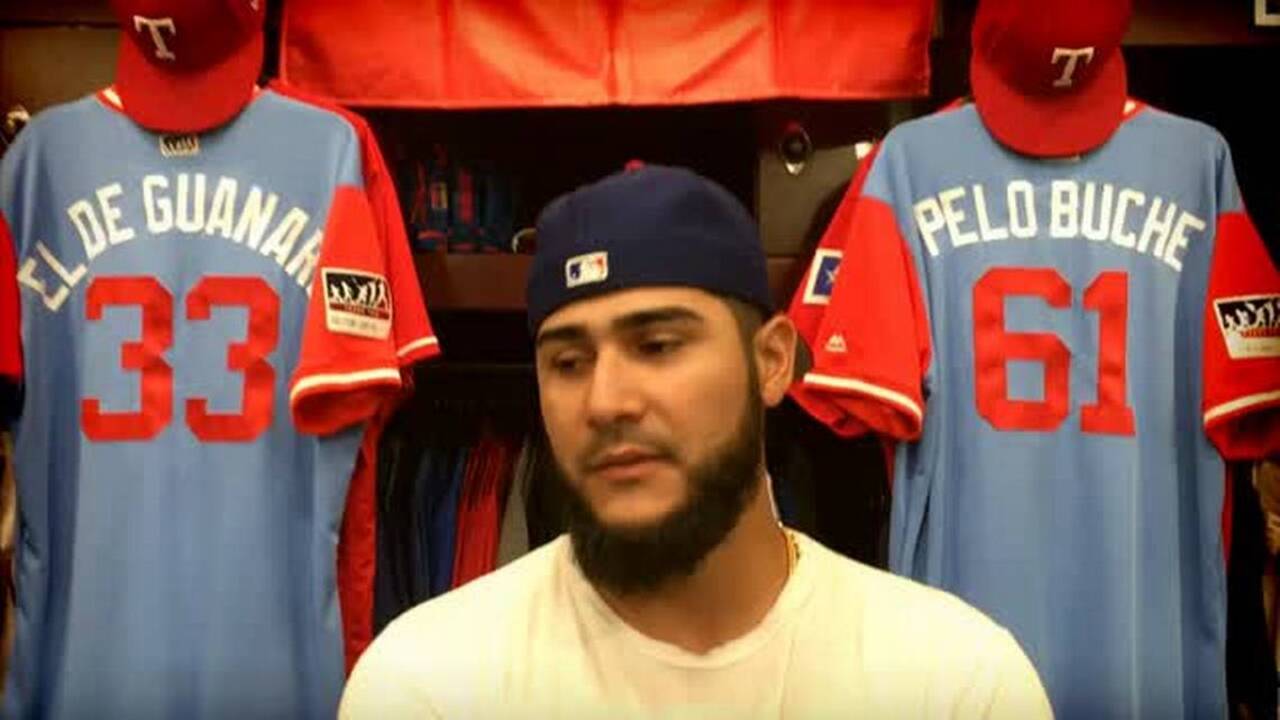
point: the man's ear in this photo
(775, 357)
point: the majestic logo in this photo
(836, 344)
(1073, 56)
(154, 25)
(822, 277)
(356, 303)
(586, 269)
(179, 145)
(1250, 325)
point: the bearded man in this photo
(676, 591)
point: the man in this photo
(676, 592)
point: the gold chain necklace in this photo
(793, 549)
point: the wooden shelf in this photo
(1157, 23)
(496, 283)
(472, 282)
(60, 12)
(1196, 22)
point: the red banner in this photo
(521, 53)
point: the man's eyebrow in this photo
(627, 323)
(641, 318)
(564, 333)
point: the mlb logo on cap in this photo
(586, 269)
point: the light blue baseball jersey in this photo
(1059, 345)
(189, 308)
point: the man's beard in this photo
(640, 559)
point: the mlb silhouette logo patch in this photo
(356, 303)
(1250, 325)
(822, 279)
(586, 269)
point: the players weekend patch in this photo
(822, 279)
(356, 303)
(586, 269)
(1250, 325)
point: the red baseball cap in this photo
(187, 65)
(1048, 77)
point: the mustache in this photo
(608, 438)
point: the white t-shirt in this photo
(535, 640)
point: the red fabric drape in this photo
(509, 53)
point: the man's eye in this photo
(568, 364)
(658, 347)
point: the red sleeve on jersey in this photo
(1242, 344)
(872, 347)
(347, 367)
(415, 340)
(810, 303)
(10, 311)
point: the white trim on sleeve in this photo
(865, 388)
(417, 344)
(1239, 403)
(342, 380)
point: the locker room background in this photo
(442, 511)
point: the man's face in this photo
(637, 387)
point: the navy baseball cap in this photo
(649, 225)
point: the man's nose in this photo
(613, 395)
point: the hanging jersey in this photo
(415, 341)
(1064, 342)
(205, 323)
(810, 300)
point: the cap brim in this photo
(1051, 125)
(187, 101)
